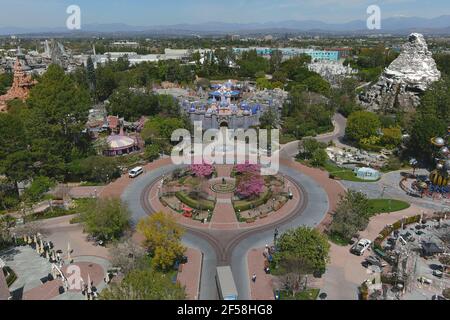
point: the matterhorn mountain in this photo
(404, 80)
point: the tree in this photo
(58, 113)
(90, 74)
(127, 256)
(249, 185)
(106, 219)
(351, 216)
(431, 120)
(106, 82)
(269, 119)
(361, 125)
(5, 236)
(276, 58)
(294, 269)
(202, 170)
(15, 158)
(319, 158)
(305, 245)
(158, 131)
(144, 285)
(97, 169)
(263, 83)
(37, 189)
(279, 76)
(6, 80)
(152, 152)
(250, 63)
(309, 147)
(162, 238)
(315, 83)
(392, 137)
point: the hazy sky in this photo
(52, 13)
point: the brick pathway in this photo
(50, 290)
(190, 273)
(85, 192)
(115, 189)
(224, 212)
(345, 272)
(262, 288)
(60, 232)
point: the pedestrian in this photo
(254, 278)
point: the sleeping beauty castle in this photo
(226, 106)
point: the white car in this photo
(360, 247)
(136, 172)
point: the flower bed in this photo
(244, 205)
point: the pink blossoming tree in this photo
(202, 170)
(250, 185)
(248, 168)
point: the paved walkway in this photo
(224, 213)
(262, 288)
(115, 189)
(86, 192)
(189, 274)
(345, 273)
(61, 232)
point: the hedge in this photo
(195, 204)
(244, 205)
(396, 226)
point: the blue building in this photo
(292, 52)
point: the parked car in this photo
(359, 248)
(425, 280)
(136, 172)
(374, 261)
(438, 273)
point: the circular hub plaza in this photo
(227, 210)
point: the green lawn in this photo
(342, 173)
(337, 239)
(55, 212)
(386, 206)
(309, 294)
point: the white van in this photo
(136, 172)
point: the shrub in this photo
(247, 205)
(98, 169)
(38, 187)
(195, 204)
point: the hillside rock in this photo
(402, 83)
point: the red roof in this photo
(113, 122)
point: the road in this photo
(231, 247)
(221, 247)
(290, 150)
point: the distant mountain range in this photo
(395, 25)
